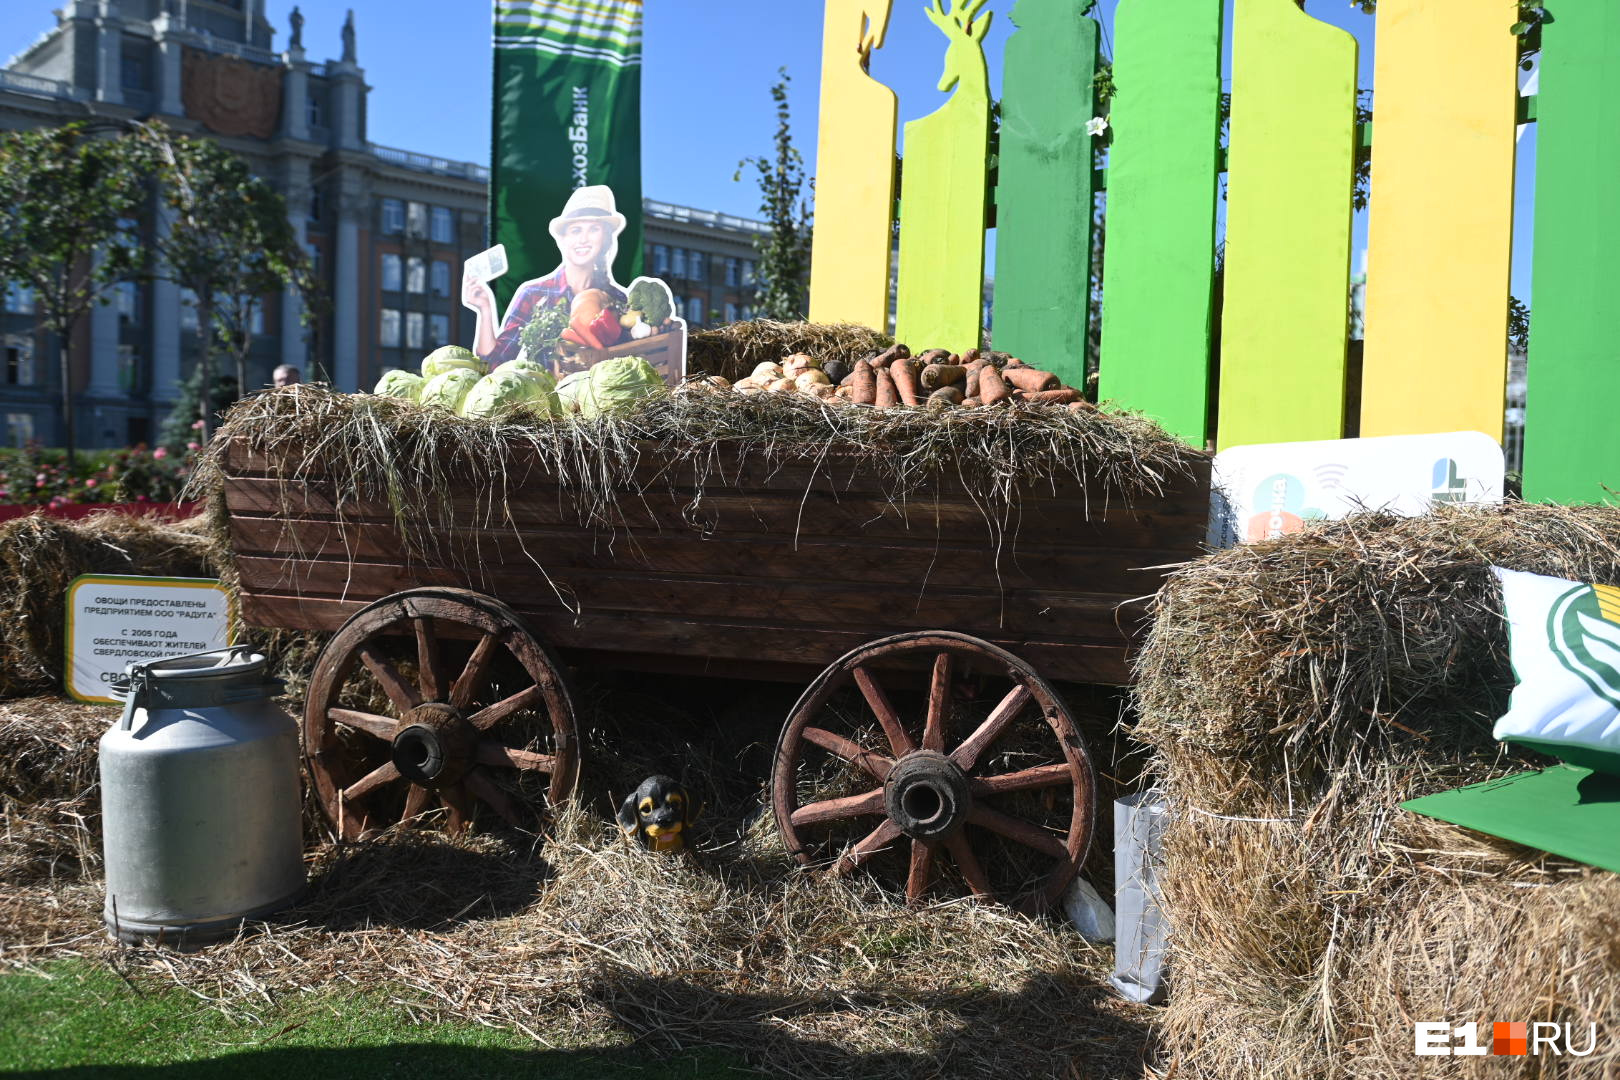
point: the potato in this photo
(779, 385)
(799, 363)
(811, 378)
(750, 383)
(767, 370)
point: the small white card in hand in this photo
(487, 265)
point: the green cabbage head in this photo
(400, 384)
(448, 390)
(615, 385)
(506, 389)
(450, 358)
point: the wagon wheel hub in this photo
(434, 746)
(927, 796)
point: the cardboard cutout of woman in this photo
(587, 235)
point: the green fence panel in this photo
(1044, 188)
(1163, 177)
(1571, 450)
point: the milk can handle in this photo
(136, 677)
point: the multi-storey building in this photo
(387, 229)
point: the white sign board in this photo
(114, 620)
(1274, 488)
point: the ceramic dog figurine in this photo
(657, 814)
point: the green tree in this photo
(226, 237)
(784, 252)
(66, 196)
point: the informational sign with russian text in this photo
(1270, 489)
(115, 620)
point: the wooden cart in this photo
(928, 639)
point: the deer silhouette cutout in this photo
(849, 257)
(944, 199)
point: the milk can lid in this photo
(215, 677)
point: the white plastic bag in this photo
(1088, 911)
(1141, 928)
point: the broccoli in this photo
(651, 298)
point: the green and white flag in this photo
(567, 116)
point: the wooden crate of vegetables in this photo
(884, 525)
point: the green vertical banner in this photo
(567, 115)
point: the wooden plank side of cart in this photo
(757, 566)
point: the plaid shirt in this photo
(529, 298)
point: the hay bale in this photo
(50, 794)
(1314, 682)
(735, 349)
(40, 556)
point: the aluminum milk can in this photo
(201, 823)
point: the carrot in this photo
(863, 384)
(971, 403)
(992, 388)
(897, 351)
(1082, 406)
(905, 381)
(970, 385)
(1065, 396)
(1027, 378)
(945, 397)
(935, 376)
(887, 395)
(971, 355)
(934, 356)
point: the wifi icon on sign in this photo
(1330, 476)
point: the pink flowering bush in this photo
(33, 476)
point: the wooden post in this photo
(944, 193)
(1571, 451)
(1164, 173)
(849, 255)
(1440, 230)
(1044, 190)
(1291, 172)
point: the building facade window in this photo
(438, 330)
(315, 113)
(413, 329)
(388, 332)
(660, 259)
(313, 250)
(393, 278)
(393, 217)
(694, 310)
(732, 271)
(256, 317)
(19, 429)
(444, 226)
(128, 369)
(730, 312)
(19, 299)
(679, 262)
(20, 360)
(416, 274)
(747, 313)
(748, 271)
(188, 310)
(441, 278)
(127, 299)
(416, 219)
(695, 266)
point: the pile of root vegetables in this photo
(936, 378)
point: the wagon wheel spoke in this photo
(383, 727)
(484, 719)
(922, 864)
(430, 673)
(471, 679)
(874, 841)
(1041, 776)
(416, 804)
(374, 779)
(829, 810)
(968, 863)
(994, 726)
(479, 784)
(1018, 830)
(899, 741)
(461, 808)
(939, 703)
(870, 761)
(490, 752)
(399, 691)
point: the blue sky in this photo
(708, 69)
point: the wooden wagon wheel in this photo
(1011, 806)
(446, 735)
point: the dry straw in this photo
(1315, 682)
(736, 349)
(40, 556)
